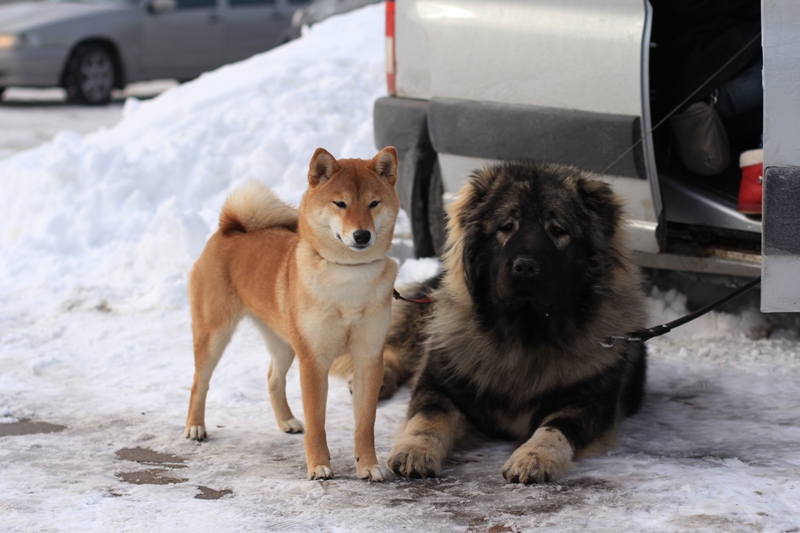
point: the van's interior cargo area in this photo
(703, 45)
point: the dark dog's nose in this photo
(361, 236)
(525, 267)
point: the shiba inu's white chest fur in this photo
(350, 312)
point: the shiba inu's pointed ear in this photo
(385, 164)
(322, 167)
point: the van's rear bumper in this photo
(781, 240)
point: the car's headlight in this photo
(18, 40)
(7, 41)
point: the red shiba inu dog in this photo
(316, 281)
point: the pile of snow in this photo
(97, 236)
(120, 215)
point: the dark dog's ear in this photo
(473, 257)
(601, 202)
(468, 214)
(323, 166)
(385, 164)
(473, 195)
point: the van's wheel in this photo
(90, 74)
(427, 212)
(436, 215)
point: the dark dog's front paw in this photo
(533, 466)
(415, 458)
(545, 457)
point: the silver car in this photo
(90, 47)
(319, 10)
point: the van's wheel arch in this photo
(90, 74)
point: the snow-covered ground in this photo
(97, 235)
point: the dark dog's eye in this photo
(507, 228)
(374, 204)
(557, 231)
(341, 205)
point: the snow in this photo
(97, 236)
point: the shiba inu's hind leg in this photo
(282, 358)
(209, 344)
(214, 319)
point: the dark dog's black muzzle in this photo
(525, 267)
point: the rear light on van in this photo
(390, 85)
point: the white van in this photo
(584, 82)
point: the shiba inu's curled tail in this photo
(253, 207)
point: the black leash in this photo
(643, 335)
(417, 301)
(640, 335)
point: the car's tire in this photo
(90, 74)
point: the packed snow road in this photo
(98, 233)
(29, 117)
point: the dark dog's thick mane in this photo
(476, 357)
(521, 342)
(469, 251)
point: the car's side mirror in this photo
(162, 6)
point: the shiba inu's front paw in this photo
(292, 425)
(195, 432)
(374, 472)
(320, 472)
(413, 458)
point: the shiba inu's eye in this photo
(340, 205)
(374, 204)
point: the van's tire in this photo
(427, 211)
(90, 74)
(436, 213)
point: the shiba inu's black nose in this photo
(525, 267)
(361, 236)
